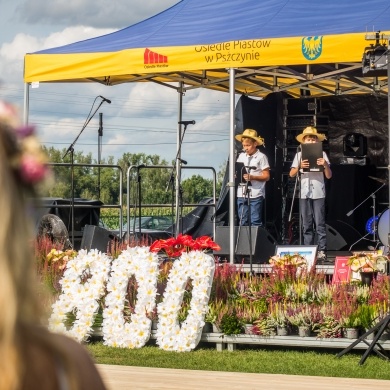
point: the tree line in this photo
(100, 183)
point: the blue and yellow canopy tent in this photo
(303, 47)
(284, 45)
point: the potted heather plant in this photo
(278, 319)
(248, 311)
(230, 323)
(351, 325)
(303, 318)
(216, 311)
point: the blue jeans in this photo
(313, 221)
(256, 211)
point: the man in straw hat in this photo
(312, 192)
(256, 174)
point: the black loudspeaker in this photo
(95, 237)
(263, 244)
(355, 145)
(340, 235)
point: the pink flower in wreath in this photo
(31, 170)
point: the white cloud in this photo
(12, 53)
(142, 117)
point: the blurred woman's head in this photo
(22, 168)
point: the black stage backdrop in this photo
(350, 184)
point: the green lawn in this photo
(271, 361)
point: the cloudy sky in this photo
(142, 117)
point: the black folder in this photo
(312, 152)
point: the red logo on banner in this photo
(150, 57)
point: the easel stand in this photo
(380, 327)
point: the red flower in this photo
(158, 246)
(184, 241)
(205, 242)
(174, 247)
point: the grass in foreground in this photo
(275, 361)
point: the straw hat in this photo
(310, 131)
(250, 133)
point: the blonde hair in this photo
(21, 312)
(17, 299)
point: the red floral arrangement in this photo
(174, 247)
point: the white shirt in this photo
(312, 183)
(260, 161)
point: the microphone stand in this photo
(172, 175)
(100, 135)
(373, 197)
(71, 151)
(246, 193)
(248, 196)
(297, 185)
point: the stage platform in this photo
(322, 266)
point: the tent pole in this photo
(178, 166)
(26, 103)
(232, 195)
(388, 133)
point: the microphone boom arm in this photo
(82, 129)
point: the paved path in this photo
(125, 377)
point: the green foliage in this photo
(101, 183)
(196, 188)
(231, 324)
(367, 315)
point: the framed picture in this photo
(309, 251)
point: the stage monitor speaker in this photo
(95, 237)
(334, 239)
(263, 244)
(340, 235)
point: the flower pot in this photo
(248, 328)
(385, 335)
(370, 336)
(216, 328)
(368, 277)
(304, 331)
(207, 328)
(281, 331)
(351, 333)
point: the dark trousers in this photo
(313, 221)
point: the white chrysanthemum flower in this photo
(144, 266)
(199, 267)
(84, 297)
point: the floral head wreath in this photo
(22, 148)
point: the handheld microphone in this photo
(106, 100)
(182, 161)
(250, 167)
(186, 123)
